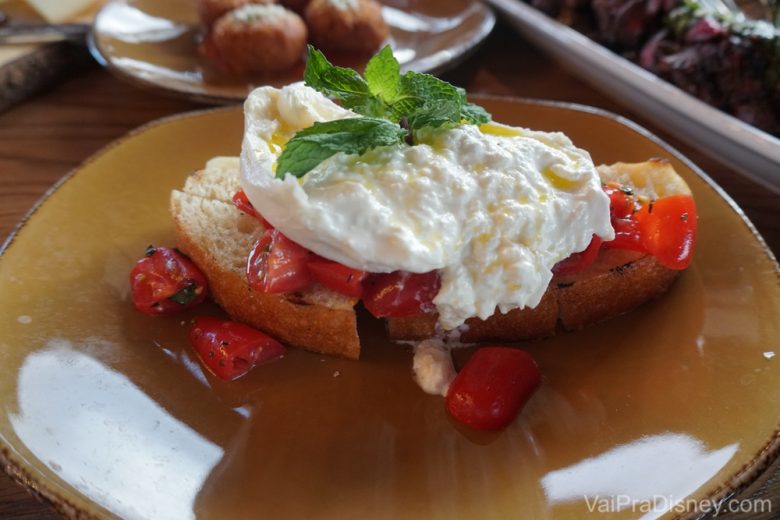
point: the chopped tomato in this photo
(241, 201)
(621, 200)
(230, 349)
(276, 264)
(668, 229)
(337, 277)
(165, 281)
(492, 387)
(400, 293)
(579, 261)
(626, 235)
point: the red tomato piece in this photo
(230, 349)
(276, 264)
(577, 262)
(626, 235)
(492, 387)
(621, 201)
(241, 201)
(400, 293)
(337, 277)
(668, 230)
(165, 281)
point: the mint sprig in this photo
(355, 135)
(395, 106)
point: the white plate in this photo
(154, 43)
(741, 146)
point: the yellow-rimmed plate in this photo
(105, 411)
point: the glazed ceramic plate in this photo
(106, 411)
(154, 43)
(747, 149)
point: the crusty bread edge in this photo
(289, 318)
(567, 305)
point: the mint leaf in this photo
(435, 113)
(311, 146)
(383, 75)
(338, 82)
(474, 114)
(423, 87)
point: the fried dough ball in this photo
(257, 39)
(347, 25)
(210, 10)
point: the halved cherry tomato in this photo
(276, 264)
(400, 293)
(668, 229)
(579, 261)
(165, 281)
(230, 349)
(626, 235)
(241, 201)
(621, 201)
(338, 277)
(492, 387)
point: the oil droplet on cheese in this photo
(499, 130)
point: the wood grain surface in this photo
(45, 137)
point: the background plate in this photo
(743, 147)
(155, 43)
(105, 410)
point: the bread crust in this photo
(598, 296)
(618, 282)
(516, 325)
(293, 318)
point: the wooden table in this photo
(45, 137)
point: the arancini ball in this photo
(346, 25)
(258, 39)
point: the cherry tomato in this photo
(577, 262)
(621, 201)
(165, 281)
(276, 264)
(337, 277)
(492, 387)
(400, 293)
(230, 349)
(668, 229)
(241, 201)
(626, 235)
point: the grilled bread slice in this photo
(218, 238)
(618, 282)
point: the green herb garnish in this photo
(357, 135)
(394, 107)
(187, 294)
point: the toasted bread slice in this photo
(618, 282)
(218, 238)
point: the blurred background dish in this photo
(745, 148)
(155, 44)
